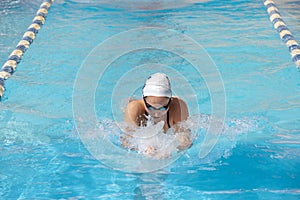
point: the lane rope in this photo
(283, 31)
(14, 58)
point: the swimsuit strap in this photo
(168, 119)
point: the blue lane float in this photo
(283, 31)
(15, 57)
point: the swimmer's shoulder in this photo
(133, 111)
(136, 106)
(177, 103)
(178, 109)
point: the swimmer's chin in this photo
(156, 120)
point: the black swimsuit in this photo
(168, 120)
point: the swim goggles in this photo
(152, 108)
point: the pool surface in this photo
(223, 57)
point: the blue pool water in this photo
(43, 152)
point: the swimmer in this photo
(158, 105)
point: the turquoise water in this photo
(257, 155)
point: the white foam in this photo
(152, 141)
(149, 148)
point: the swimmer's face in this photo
(157, 107)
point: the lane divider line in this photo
(15, 57)
(285, 35)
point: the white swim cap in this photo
(157, 85)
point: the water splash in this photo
(233, 131)
(151, 141)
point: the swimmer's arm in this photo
(132, 112)
(183, 135)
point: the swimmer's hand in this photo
(153, 152)
(183, 136)
(125, 142)
(150, 151)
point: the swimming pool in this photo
(257, 156)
